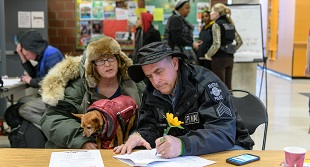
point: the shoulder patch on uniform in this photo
(223, 110)
(215, 92)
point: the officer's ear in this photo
(175, 63)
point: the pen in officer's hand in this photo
(162, 139)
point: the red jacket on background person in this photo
(145, 33)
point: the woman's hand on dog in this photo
(89, 145)
(134, 140)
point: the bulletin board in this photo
(194, 16)
(118, 18)
(111, 18)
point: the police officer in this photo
(193, 94)
(222, 50)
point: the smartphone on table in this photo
(242, 159)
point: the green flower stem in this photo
(166, 131)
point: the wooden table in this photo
(41, 157)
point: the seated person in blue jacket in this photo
(32, 46)
(193, 94)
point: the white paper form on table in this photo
(11, 81)
(82, 158)
(148, 158)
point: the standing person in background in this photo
(222, 50)
(145, 33)
(179, 32)
(32, 46)
(205, 38)
(307, 72)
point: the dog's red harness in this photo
(115, 112)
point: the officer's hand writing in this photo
(89, 145)
(134, 140)
(168, 146)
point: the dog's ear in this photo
(78, 115)
(96, 122)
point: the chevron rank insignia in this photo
(223, 111)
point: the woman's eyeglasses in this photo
(102, 61)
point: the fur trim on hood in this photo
(102, 48)
(54, 83)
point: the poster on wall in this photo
(108, 8)
(131, 5)
(85, 32)
(132, 17)
(124, 35)
(121, 31)
(85, 10)
(97, 12)
(112, 26)
(121, 14)
(24, 19)
(37, 19)
(150, 8)
(96, 27)
(201, 6)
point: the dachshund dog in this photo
(112, 119)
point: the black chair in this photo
(252, 111)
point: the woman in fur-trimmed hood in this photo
(75, 83)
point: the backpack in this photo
(27, 136)
(24, 134)
(12, 117)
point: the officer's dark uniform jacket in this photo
(204, 105)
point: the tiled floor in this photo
(288, 112)
(287, 109)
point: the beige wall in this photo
(293, 31)
(302, 26)
(283, 63)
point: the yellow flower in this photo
(173, 120)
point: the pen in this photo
(161, 140)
